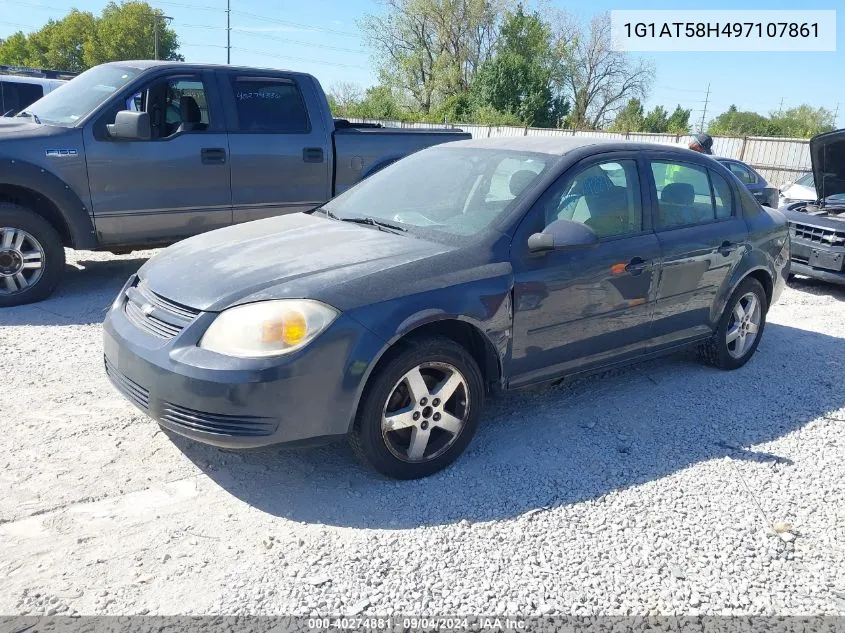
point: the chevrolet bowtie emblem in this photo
(147, 309)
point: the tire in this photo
(441, 364)
(733, 354)
(27, 238)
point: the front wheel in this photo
(420, 410)
(32, 257)
(740, 328)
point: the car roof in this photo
(560, 145)
(24, 79)
(146, 64)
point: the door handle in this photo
(213, 155)
(636, 266)
(728, 247)
(312, 155)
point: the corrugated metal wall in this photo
(779, 160)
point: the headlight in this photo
(267, 328)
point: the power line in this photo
(297, 59)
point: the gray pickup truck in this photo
(141, 153)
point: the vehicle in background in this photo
(18, 92)
(817, 226)
(803, 189)
(753, 181)
(141, 153)
(388, 314)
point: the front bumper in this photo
(239, 403)
(811, 256)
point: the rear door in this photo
(280, 155)
(175, 184)
(702, 236)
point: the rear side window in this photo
(721, 196)
(269, 105)
(16, 96)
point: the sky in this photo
(321, 37)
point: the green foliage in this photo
(657, 120)
(517, 81)
(678, 122)
(734, 122)
(630, 118)
(81, 40)
(803, 122)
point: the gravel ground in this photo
(668, 488)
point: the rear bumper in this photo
(240, 403)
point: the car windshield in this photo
(80, 96)
(443, 193)
(806, 180)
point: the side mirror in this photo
(130, 126)
(563, 235)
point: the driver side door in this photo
(579, 309)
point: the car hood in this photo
(22, 127)
(295, 256)
(827, 153)
(799, 192)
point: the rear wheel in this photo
(420, 410)
(32, 257)
(740, 328)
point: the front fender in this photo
(73, 211)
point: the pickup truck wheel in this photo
(740, 328)
(32, 257)
(420, 410)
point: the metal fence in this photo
(779, 160)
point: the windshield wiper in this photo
(379, 224)
(31, 115)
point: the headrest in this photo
(678, 193)
(189, 110)
(520, 180)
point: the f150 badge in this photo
(61, 153)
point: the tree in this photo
(518, 79)
(630, 118)
(344, 96)
(600, 81)
(126, 31)
(656, 121)
(678, 122)
(431, 49)
(380, 102)
(80, 40)
(802, 122)
(734, 122)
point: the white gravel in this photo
(668, 488)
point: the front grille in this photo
(128, 387)
(218, 423)
(817, 234)
(155, 314)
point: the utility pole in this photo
(704, 112)
(155, 32)
(228, 31)
(835, 114)
(780, 107)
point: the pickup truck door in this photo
(281, 151)
(175, 184)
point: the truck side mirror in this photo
(130, 126)
(563, 235)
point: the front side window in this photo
(269, 105)
(443, 193)
(605, 197)
(745, 175)
(683, 193)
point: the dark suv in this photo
(391, 312)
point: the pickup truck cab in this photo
(141, 153)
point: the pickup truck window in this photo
(443, 193)
(74, 100)
(265, 104)
(15, 96)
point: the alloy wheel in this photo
(21, 260)
(426, 412)
(744, 325)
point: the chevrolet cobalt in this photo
(390, 313)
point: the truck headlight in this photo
(267, 328)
